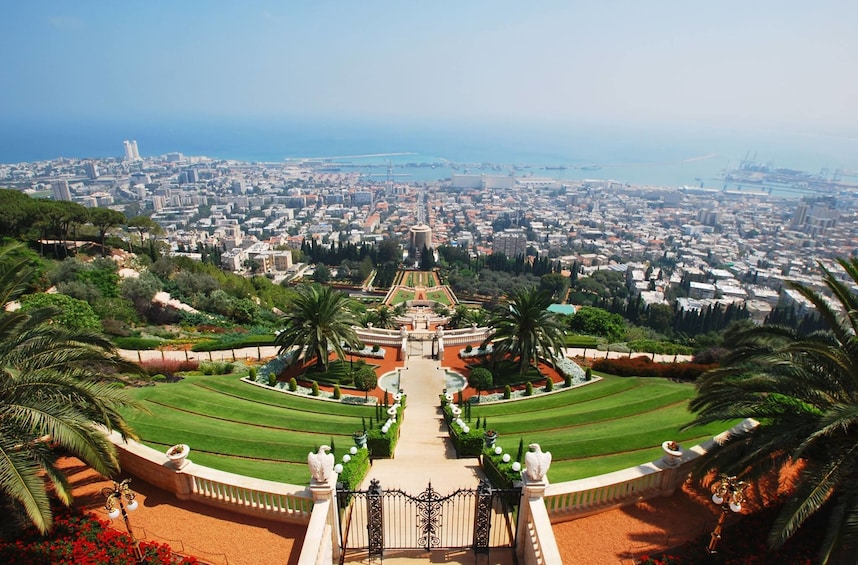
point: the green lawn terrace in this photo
(419, 289)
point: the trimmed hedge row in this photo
(382, 446)
(355, 470)
(138, 343)
(224, 344)
(466, 444)
(645, 367)
(499, 473)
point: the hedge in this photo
(466, 444)
(499, 473)
(137, 343)
(645, 367)
(224, 344)
(382, 446)
(355, 470)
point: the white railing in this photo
(317, 548)
(574, 499)
(245, 495)
(540, 547)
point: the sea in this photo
(667, 156)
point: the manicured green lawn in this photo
(240, 428)
(606, 426)
(438, 296)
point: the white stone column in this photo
(325, 495)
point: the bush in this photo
(315, 388)
(137, 343)
(468, 348)
(216, 368)
(549, 385)
(159, 378)
(528, 389)
(645, 367)
(375, 348)
(466, 445)
(169, 367)
(507, 392)
(383, 445)
(252, 373)
(293, 385)
(588, 374)
(499, 473)
(355, 470)
(567, 380)
(272, 379)
(337, 393)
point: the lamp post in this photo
(119, 498)
(729, 493)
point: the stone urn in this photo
(490, 437)
(178, 455)
(672, 453)
(360, 439)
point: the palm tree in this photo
(51, 394)
(384, 318)
(318, 318)
(803, 389)
(526, 331)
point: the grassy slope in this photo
(230, 425)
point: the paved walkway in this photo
(424, 452)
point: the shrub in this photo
(567, 380)
(375, 348)
(252, 373)
(480, 379)
(315, 388)
(137, 343)
(549, 385)
(468, 348)
(644, 367)
(159, 378)
(272, 379)
(293, 385)
(588, 374)
(169, 367)
(355, 470)
(507, 392)
(528, 389)
(337, 393)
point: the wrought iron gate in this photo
(414, 347)
(480, 519)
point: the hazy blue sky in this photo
(784, 65)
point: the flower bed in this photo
(567, 367)
(368, 351)
(79, 538)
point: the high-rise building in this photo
(131, 152)
(91, 170)
(421, 236)
(60, 188)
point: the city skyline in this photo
(771, 66)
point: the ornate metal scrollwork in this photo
(429, 518)
(375, 519)
(483, 517)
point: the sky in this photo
(759, 64)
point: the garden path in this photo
(424, 452)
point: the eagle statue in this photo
(321, 464)
(537, 462)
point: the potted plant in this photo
(490, 437)
(359, 438)
(672, 453)
(178, 455)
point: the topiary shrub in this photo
(567, 380)
(588, 374)
(528, 389)
(337, 393)
(549, 385)
(507, 392)
(252, 373)
(272, 379)
(293, 385)
(468, 348)
(376, 348)
(315, 388)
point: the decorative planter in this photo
(360, 439)
(178, 455)
(490, 437)
(672, 453)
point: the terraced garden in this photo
(233, 426)
(602, 427)
(237, 427)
